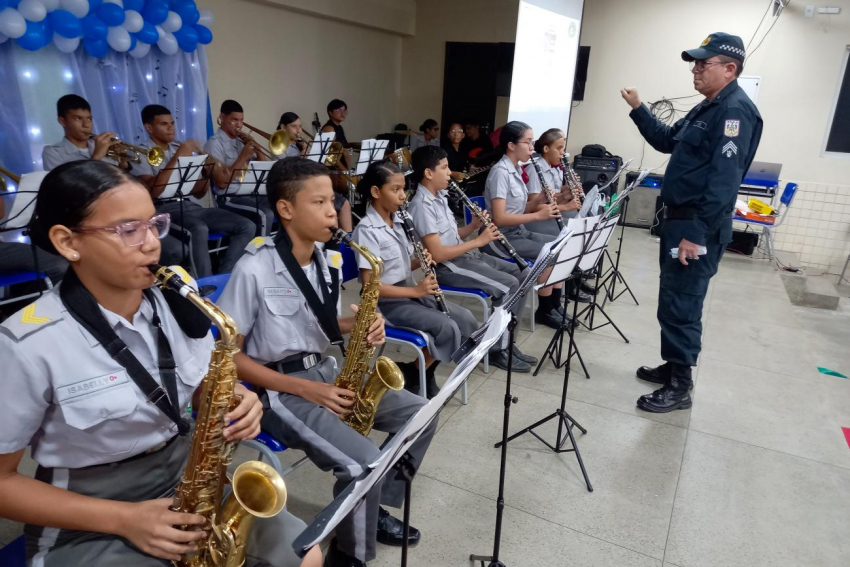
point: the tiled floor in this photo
(757, 473)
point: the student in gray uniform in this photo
(508, 201)
(284, 299)
(228, 146)
(292, 124)
(74, 115)
(185, 211)
(403, 302)
(109, 460)
(550, 147)
(430, 135)
(460, 263)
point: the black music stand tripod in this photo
(614, 274)
(185, 173)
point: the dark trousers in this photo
(681, 295)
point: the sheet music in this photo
(20, 204)
(354, 493)
(255, 171)
(321, 146)
(370, 150)
(194, 165)
(598, 240)
(569, 255)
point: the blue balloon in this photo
(94, 27)
(187, 38)
(204, 34)
(148, 34)
(136, 5)
(96, 47)
(133, 41)
(155, 11)
(94, 5)
(176, 3)
(4, 4)
(112, 14)
(65, 23)
(188, 13)
(37, 36)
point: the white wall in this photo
(273, 59)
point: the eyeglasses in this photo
(134, 233)
(455, 131)
(702, 64)
(528, 142)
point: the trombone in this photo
(278, 142)
(154, 156)
(14, 177)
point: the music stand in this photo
(187, 171)
(19, 214)
(394, 454)
(371, 150)
(320, 149)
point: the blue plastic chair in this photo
(7, 280)
(14, 554)
(782, 212)
(217, 237)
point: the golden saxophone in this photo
(258, 490)
(386, 375)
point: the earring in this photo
(75, 256)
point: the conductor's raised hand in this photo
(630, 95)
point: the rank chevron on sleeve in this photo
(28, 316)
(729, 149)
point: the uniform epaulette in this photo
(334, 258)
(35, 316)
(258, 243)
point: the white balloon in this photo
(119, 2)
(167, 43)
(133, 21)
(12, 23)
(3, 38)
(119, 39)
(64, 44)
(79, 8)
(140, 50)
(32, 10)
(173, 22)
(207, 19)
(51, 5)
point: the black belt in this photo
(296, 363)
(680, 213)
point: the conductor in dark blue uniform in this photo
(712, 148)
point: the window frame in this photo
(845, 68)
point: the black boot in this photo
(431, 380)
(576, 294)
(411, 376)
(657, 375)
(336, 558)
(673, 395)
(391, 530)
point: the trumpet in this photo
(13, 176)
(124, 151)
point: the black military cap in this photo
(717, 44)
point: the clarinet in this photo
(571, 179)
(427, 269)
(550, 194)
(485, 222)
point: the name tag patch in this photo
(281, 292)
(732, 128)
(90, 385)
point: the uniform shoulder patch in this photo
(729, 149)
(29, 317)
(258, 243)
(334, 258)
(732, 128)
(32, 318)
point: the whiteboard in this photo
(750, 84)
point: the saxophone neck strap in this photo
(83, 307)
(324, 309)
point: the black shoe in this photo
(551, 318)
(411, 377)
(579, 296)
(657, 375)
(500, 360)
(587, 287)
(336, 558)
(665, 399)
(431, 387)
(524, 357)
(391, 530)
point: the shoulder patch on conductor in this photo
(729, 149)
(732, 128)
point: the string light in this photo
(194, 109)
(149, 77)
(35, 131)
(27, 75)
(68, 75)
(179, 85)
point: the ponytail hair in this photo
(67, 196)
(511, 133)
(377, 175)
(286, 119)
(427, 125)
(548, 138)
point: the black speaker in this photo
(581, 72)
(598, 170)
(642, 210)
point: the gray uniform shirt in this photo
(505, 182)
(419, 141)
(390, 244)
(54, 155)
(432, 215)
(223, 148)
(269, 309)
(554, 177)
(144, 168)
(66, 397)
